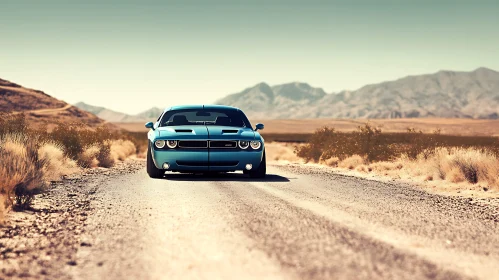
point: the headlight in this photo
(160, 144)
(244, 144)
(171, 143)
(255, 145)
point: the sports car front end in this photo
(200, 139)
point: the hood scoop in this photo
(229, 131)
(184, 130)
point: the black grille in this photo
(192, 163)
(224, 163)
(206, 163)
(193, 144)
(223, 144)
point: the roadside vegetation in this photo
(430, 156)
(32, 158)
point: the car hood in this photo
(205, 132)
(230, 132)
(183, 131)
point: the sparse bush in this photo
(98, 154)
(319, 145)
(104, 157)
(68, 136)
(3, 209)
(472, 159)
(352, 162)
(36, 157)
(421, 144)
(122, 149)
(57, 164)
(375, 145)
(23, 177)
(13, 124)
(88, 158)
(369, 142)
(466, 164)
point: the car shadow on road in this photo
(226, 177)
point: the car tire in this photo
(152, 171)
(261, 171)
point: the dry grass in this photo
(104, 157)
(23, 177)
(374, 145)
(464, 160)
(88, 158)
(352, 162)
(32, 164)
(457, 165)
(99, 155)
(461, 167)
(58, 165)
(122, 149)
(3, 209)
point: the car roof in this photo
(199, 107)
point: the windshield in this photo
(205, 117)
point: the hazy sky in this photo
(132, 55)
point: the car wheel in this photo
(261, 171)
(152, 171)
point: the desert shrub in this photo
(374, 145)
(474, 165)
(3, 208)
(57, 164)
(370, 143)
(68, 136)
(422, 144)
(321, 142)
(104, 157)
(122, 149)
(88, 157)
(352, 162)
(23, 177)
(139, 139)
(13, 124)
(327, 143)
(98, 154)
(456, 165)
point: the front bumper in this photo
(197, 160)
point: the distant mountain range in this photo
(113, 116)
(445, 94)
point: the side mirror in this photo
(150, 125)
(259, 126)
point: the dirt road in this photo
(299, 223)
(44, 111)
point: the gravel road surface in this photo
(301, 222)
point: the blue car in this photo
(205, 139)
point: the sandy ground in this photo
(42, 243)
(301, 222)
